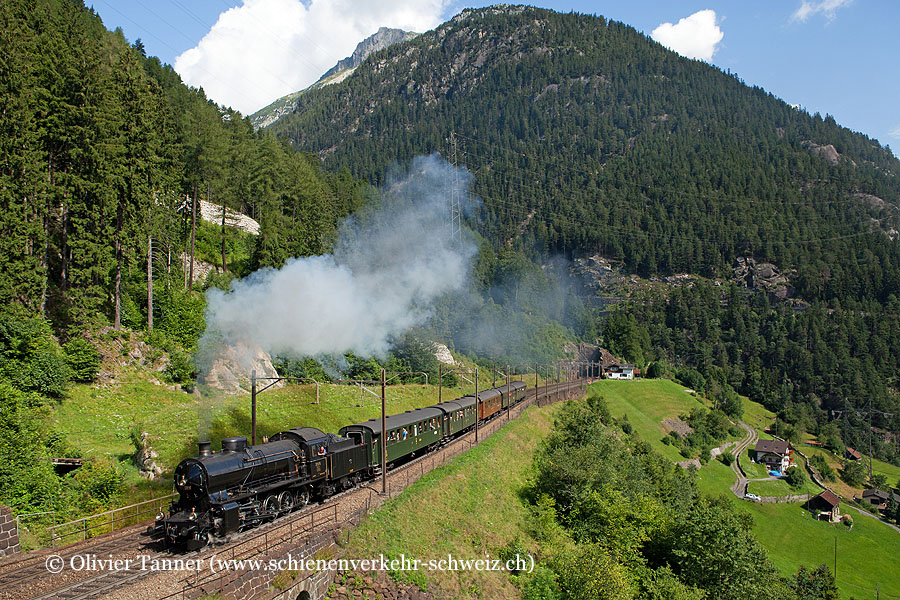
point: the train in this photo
(220, 493)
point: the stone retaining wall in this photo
(9, 534)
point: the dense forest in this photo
(104, 154)
(104, 148)
(588, 138)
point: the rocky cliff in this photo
(381, 39)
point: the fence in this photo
(105, 522)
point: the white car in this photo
(751, 497)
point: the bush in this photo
(98, 483)
(626, 425)
(853, 474)
(30, 359)
(83, 359)
(726, 458)
(181, 368)
(512, 552)
(795, 477)
(822, 466)
(182, 317)
(654, 371)
(541, 585)
(691, 378)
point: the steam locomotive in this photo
(243, 486)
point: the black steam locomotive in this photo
(242, 486)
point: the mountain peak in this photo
(381, 39)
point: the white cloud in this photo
(264, 49)
(828, 8)
(695, 36)
(895, 132)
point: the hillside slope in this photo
(586, 136)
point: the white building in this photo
(622, 371)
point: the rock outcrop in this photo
(763, 277)
(227, 369)
(213, 213)
(145, 458)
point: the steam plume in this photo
(390, 263)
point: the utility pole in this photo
(455, 210)
(508, 399)
(149, 283)
(193, 238)
(253, 407)
(224, 266)
(476, 405)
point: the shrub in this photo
(691, 378)
(182, 317)
(513, 552)
(654, 371)
(853, 474)
(541, 585)
(83, 359)
(181, 368)
(626, 425)
(29, 356)
(822, 466)
(795, 477)
(98, 483)
(726, 458)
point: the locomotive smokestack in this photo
(204, 448)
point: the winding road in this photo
(740, 485)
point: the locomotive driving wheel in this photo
(270, 507)
(302, 498)
(285, 502)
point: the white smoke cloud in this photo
(390, 263)
(696, 36)
(265, 49)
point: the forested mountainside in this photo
(588, 138)
(103, 148)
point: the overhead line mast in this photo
(455, 210)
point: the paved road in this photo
(740, 485)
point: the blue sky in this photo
(837, 57)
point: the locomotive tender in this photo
(242, 486)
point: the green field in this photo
(648, 402)
(757, 416)
(779, 487)
(469, 508)
(866, 553)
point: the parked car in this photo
(751, 497)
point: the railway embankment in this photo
(239, 569)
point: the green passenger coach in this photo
(407, 433)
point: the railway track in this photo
(31, 577)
